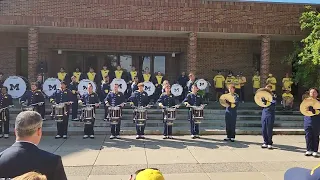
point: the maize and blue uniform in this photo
(312, 129)
(231, 117)
(62, 96)
(5, 101)
(92, 98)
(34, 97)
(105, 89)
(193, 100)
(73, 87)
(139, 99)
(115, 99)
(167, 101)
(267, 120)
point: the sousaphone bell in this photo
(226, 97)
(306, 103)
(263, 93)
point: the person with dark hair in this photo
(182, 80)
(78, 75)
(119, 73)
(231, 115)
(105, 89)
(92, 76)
(73, 87)
(62, 75)
(62, 95)
(35, 96)
(312, 126)
(5, 102)
(24, 156)
(103, 73)
(89, 98)
(158, 80)
(267, 119)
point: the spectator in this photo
(31, 176)
(24, 155)
(147, 174)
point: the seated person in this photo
(287, 99)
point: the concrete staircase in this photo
(248, 121)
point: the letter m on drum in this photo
(146, 88)
(54, 87)
(16, 87)
(176, 90)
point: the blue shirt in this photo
(193, 99)
(270, 110)
(5, 100)
(115, 99)
(33, 97)
(167, 100)
(92, 98)
(139, 98)
(61, 96)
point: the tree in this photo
(306, 55)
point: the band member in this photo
(134, 85)
(287, 82)
(273, 82)
(62, 95)
(256, 82)
(158, 83)
(237, 85)
(91, 75)
(182, 80)
(312, 127)
(242, 83)
(133, 73)
(146, 76)
(287, 100)
(193, 99)
(1, 80)
(34, 96)
(39, 82)
(119, 74)
(192, 80)
(165, 83)
(90, 98)
(115, 98)
(229, 80)
(219, 84)
(5, 101)
(139, 98)
(62, 75)
(73, 87)
(78, 74)
(267, 120)
(103, 72)
(231, 115)
(166, 100)
(105, 89)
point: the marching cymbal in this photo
(263, 93)
(306, 103)
(227, 97)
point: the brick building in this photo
(165, 35)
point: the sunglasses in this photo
(133, 176)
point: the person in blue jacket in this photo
(73, 87)
(105, 89)
(231, 115)
(5, 101)
(267, 119)
(312, 127)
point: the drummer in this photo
(92, 76)
(103, 72)
(182, 80)
(73, 87)
(166, 100)
(39, 82)
(146, 76)
(133, 73)
(267, 120)
(105, 88)
(119, 74)
(62, 95)
(134, 85)
(192, 80)
(312, 126)
(164, 85)
(34, 96)
(158, 81)
(139, 98)
(89, 98)
(5, 101)
(131, 78)
(78, 74)
(113, 99)
(62, 75)
(231, 115)
(193, 99)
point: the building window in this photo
(159, 64)
(126, 62)
(22, 62)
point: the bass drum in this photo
(50, 86)
(16, 86)
(176, 89)
(202, 84)
(83, 84)
(122, 84)
(149, 88)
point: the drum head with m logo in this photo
(50, 86)
(83, 85)
(16, 86)
(176, 89)
(149, 88)
(202, 84)
(122, 84)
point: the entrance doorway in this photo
(153, 63)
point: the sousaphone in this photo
(226, 97)
(263, 93)
(306, 103)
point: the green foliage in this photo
(306, 55)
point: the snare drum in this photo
(28, 108)
(170, 116)
(197, 114)
(59, 112)
(88, 115)
(140, 116)
(114, 115)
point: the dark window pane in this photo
(160, 64)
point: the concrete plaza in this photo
(208, 158)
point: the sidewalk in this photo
(209, 158)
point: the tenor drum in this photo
(28, 108)
(114, 115)
(140, 116)
(59, 112)
(88, 115)
(170, 115)
(197, 114)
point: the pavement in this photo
(208, 158)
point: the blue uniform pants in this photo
(41, 110)
(75, 107)
(140, 129)
(230, 119)
(115, 129)
(194, 128)
(267, 128)
(312, 137)
(167, 129)
(5, 124)
(88, 128)
(62, 127)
